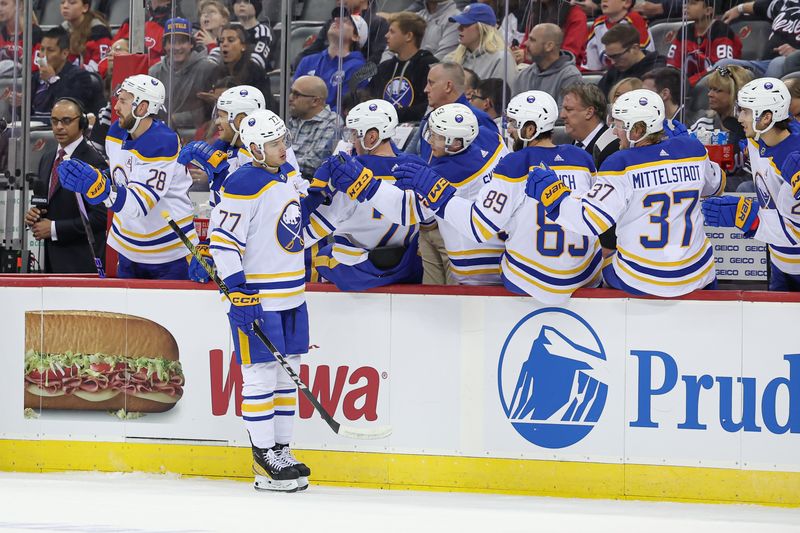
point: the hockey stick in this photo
(345, 431)
(98, 263)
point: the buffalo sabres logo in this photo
(251, 122)
(762, 191)
(531, 99)
(289, 229)
(243, 92)
(642, 101)
(119, 175)
(399, 92)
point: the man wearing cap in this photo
(184, 72)
(352, 30)
(259, 36)
(374, 45)
(441, 34)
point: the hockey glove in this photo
(77, 176)
(673, 128)
(245, 307)
(731, 212)
(545, 187)
(212, 160)
(433, 188)
(196, 271)
(791, 173)
(350, 176)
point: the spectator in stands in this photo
(553, 69)
(512, 29)
(57, 78)
(441, 35)
(11, 42)
(622, 49)
(158, 11)
(665, 82)
(707, 42)
(471, 81)
(785, 18)
(184, 72)
(214, 17)
(106, 67)
(723, 86)
(615, 12)
(583, 111)
(481, 48)
(658, 9)
(621, 87)
(89, 36)
(312, 123)
(401, 80)
(352, 31)
(567, 16)
(372, 45)
(491, 96)
(259, 36)
(793, 84)
(236, 63)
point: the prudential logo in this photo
(552, 378)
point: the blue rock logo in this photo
(550, 378)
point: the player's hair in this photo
(793, 84)
(471, 79)
(490, 41)
(730, 79)
(590, 96)
(60, 35)
(666, 78)
(454, 72)
(408, 22)
(624, 34)
(493, 89)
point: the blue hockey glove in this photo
(350, 176)
(245, 307)
(196, 271)
(212, 160)
(731, 212)
(791, 173)
(673, 128)
(77, 176)
(322, 176)
(545, 187)
(794, 127)
(433, 188)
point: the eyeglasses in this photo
(476, 97)
(298, 94)
(66, 121)
(614, 57)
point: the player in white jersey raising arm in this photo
(368, 249)
(774, 216)
(651, 190)
(145, 179)
(540, 258)
(257, 246)
(468, 164)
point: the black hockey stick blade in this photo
(345, 431)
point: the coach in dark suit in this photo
(60, 226)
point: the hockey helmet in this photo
(372, 114)
(765, 94)
(144, 88)
(640, 105)
(242, 99)
(453, 122)
(261, 127)
(533, 106)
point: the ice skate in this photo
(273, 473)
(285, 453)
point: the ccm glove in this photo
(350, 176)
(212, 160)
(245, 308)
(77, 176)
(731, 212)
(545, 187)
(434, 190)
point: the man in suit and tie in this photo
(584, 113)
(59, 225)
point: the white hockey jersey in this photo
(541, 259)
(652, 193)
(148, 169)
(256, 236)
(779, 212)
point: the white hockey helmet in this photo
(765, 94)
(240, 99)
(533, 106)
(640, 105)
(372, 114)
(261, 127)
(144, 88)
(453, 122)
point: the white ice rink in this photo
(134, 503)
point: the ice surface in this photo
(137, 503)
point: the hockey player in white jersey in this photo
(145, 179)
(651, 190)
(257, 246)
(368, 249)
(774, 216)
(468, 165)
(540, 258)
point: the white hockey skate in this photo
(285, 453)
(274, 473)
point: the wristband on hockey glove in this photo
(545, 187)
(196, 271)
(245, 307)
(731, 212)
(434, 190)
(77, 176)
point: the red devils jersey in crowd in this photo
(11, 45)
(97, 46)
(718, 42)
